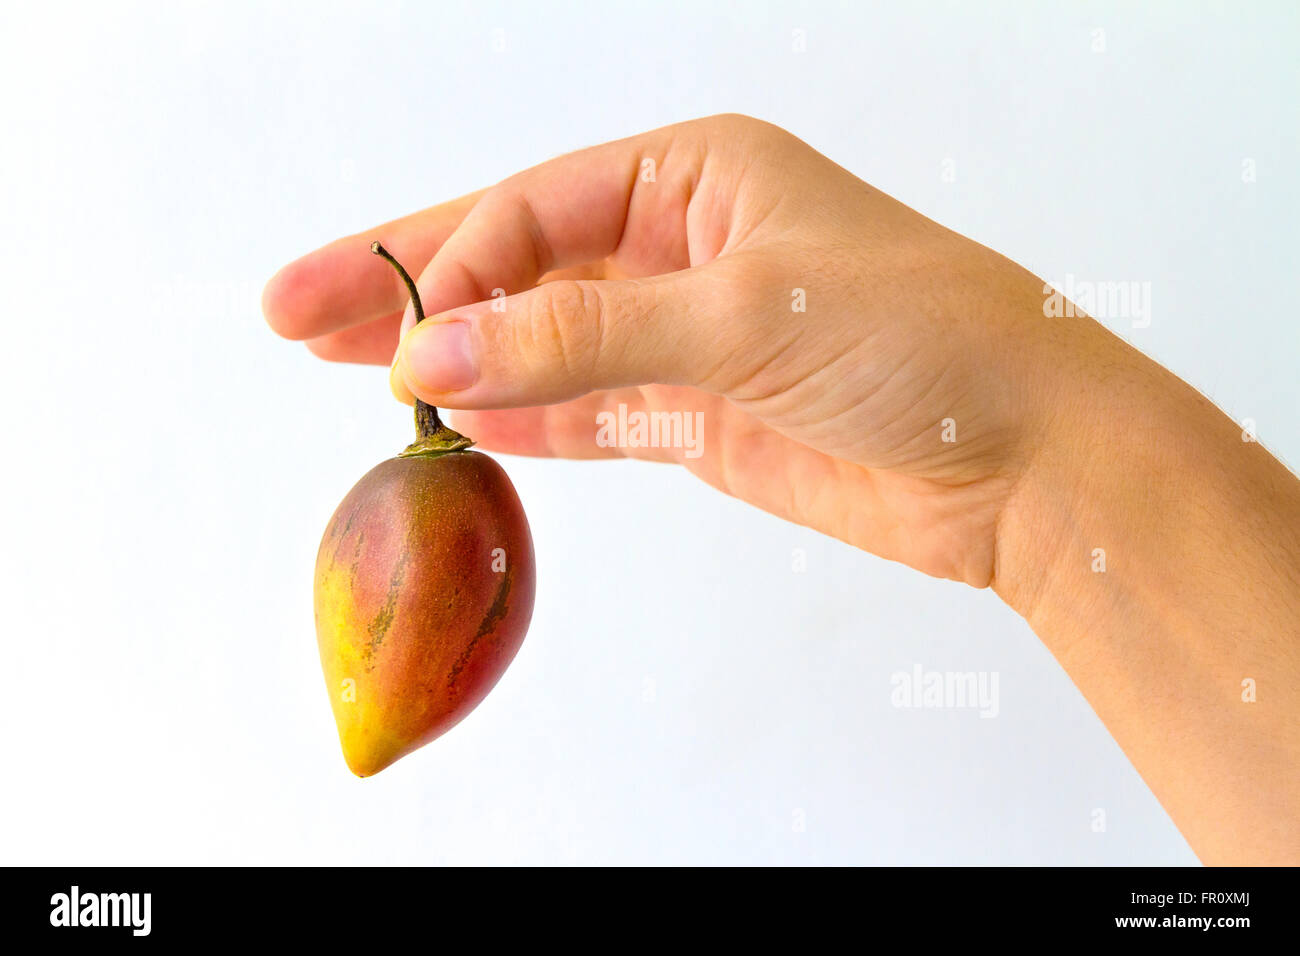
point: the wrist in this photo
(1130, 472)
(1157, 555)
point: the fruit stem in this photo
(432, 437)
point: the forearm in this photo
(1157, 555)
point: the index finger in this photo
(342, 285)
(626, 200)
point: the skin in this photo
(424, 589)
(675, 292)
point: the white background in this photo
(683, 695)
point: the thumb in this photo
(566, 338)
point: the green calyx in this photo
(440, 442)
(432, 437)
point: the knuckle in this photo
(753, 328)
(469, 277)
(752, 287)
(746, 128)
(565, 325)
(508, 205)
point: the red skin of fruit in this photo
(424, 589)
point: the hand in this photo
(831, 337)
(921, 406)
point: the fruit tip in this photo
(362, 772)
(369, 759)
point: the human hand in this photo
(922, 407)
(860, 369)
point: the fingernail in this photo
(397, 374)
(397, 383)
(439, 357)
